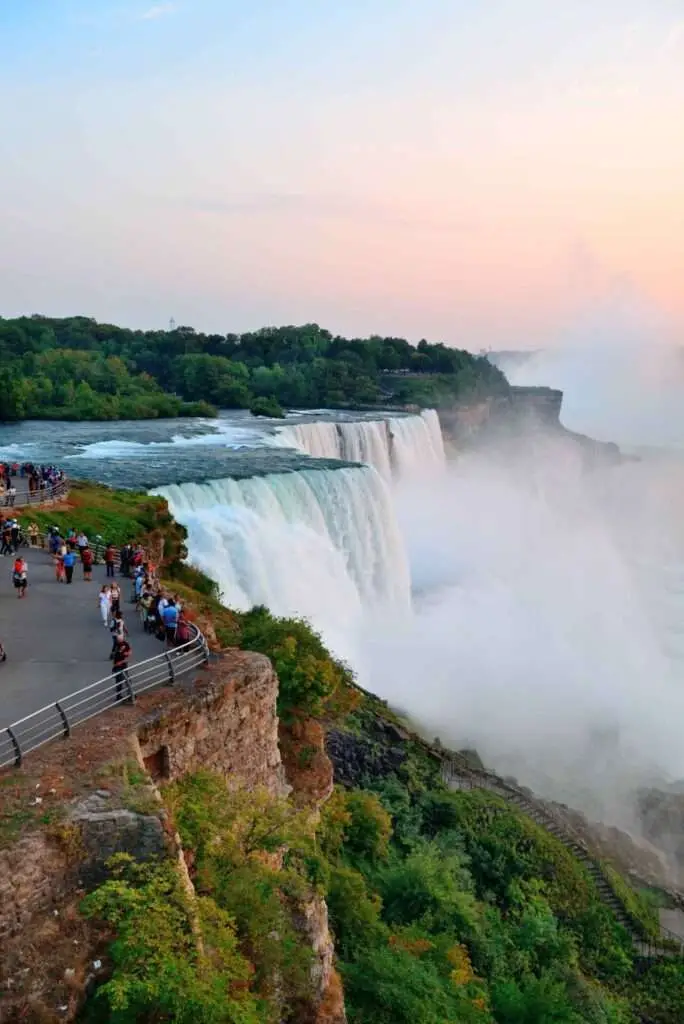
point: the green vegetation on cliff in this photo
(116, 516)
(454, 906)
(233, 954)
(76, 368)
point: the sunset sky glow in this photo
(480, 173)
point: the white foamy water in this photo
(395, 447)
(322, 544)
(216, 433)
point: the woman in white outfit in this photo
(105, 605)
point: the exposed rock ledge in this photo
(225, 721)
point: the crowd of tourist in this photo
(160, 611)
(39, 480)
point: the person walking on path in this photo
(87, 562)
(69, 561)
(105, 602)
(118, 630)
(110, 559)
(33, 533)
(60, 552)
(115, 597)
(121, 654)
(20, 577)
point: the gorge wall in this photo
(50, 957)
(520, 412)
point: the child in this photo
(20, 577)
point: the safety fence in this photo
(25, 499)
(60, 718)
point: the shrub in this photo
(270, 407)
(160, 973)
(390, 985)
(308, 674)
(369, 828)
(354, 912)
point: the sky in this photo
(482, 173)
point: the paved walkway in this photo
(54, 638)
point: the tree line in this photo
(77, 368)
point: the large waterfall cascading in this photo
(397, 446)
(322, 544)
(417, 444)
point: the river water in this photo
(516, 604)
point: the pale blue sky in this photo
(476, 171)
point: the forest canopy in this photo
(77, 368)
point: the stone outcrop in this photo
(309, 772)
(229, 726)
(49, 954)
(517, 415)
(661, 816)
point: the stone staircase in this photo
(458, 774)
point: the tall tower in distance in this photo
(172, 324)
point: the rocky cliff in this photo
(102, 796)
(514, 416)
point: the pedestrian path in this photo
(54, 639)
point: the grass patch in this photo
(116, 516)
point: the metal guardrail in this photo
(30, 498)
(58, 719)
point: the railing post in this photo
(169, 662)
(67, 727)
(15, 744)
(129, 686)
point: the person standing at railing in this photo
(33, 533)
(170, 620)
(121, 654)
(11, 494)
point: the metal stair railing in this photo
(457, 774)
(57, 720)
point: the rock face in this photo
(662, 819)
(230, 726)
(310, 774)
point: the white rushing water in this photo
(545, 621)
(323, 544)
(395, 447)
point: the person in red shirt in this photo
(87, 562)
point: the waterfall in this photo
(322, 544)
(396, 447)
